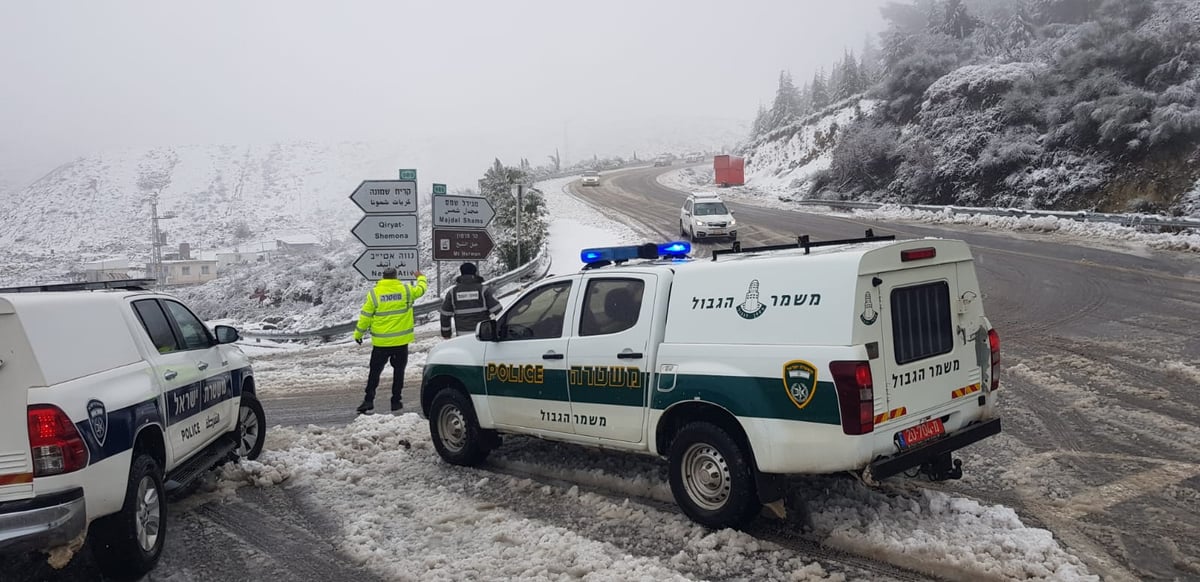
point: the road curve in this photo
(1101, 384)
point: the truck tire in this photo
(127, 544)
(454, 429)
(711, 477)
(251, 428)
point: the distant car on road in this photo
(704, 215)
(694, 157)
(591, 178)
(662, 161)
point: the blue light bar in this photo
(646, 251)
(675, 249)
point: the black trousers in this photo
(398, 356)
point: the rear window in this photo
(921, 322)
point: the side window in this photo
(156, 325)
(192, 332)
(611, 306)
(538, 315)
(921, 322)
(687, 206)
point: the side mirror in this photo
(226, 334)
(486, 332)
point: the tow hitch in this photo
(943, 467)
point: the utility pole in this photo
(157, 243)
(519, 190)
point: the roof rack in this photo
(122, 284)
(802, 242)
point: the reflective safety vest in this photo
(387, 312)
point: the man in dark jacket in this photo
(467, 303)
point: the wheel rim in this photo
(452, 428)
(148, 520)
(706, 476)
(249, 431)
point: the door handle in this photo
(552, 356)
(202, 365)
(630, 355)
(170, 375)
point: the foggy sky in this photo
(84, 77)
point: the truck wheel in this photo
(251, 428)
(456, 434)
(127, 544)
(711, 478)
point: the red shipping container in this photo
(729, 170)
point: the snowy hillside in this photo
(1090, 105)
(787, 160)
(99, 204)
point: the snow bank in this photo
(1044, 224)
(409, 516)
(576, 226)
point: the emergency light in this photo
(677, 249)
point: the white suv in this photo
(705, 216)
(107, 396)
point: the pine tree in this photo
(496, 186)
(1020, 31)
(957, 22)
(761, 121)
(851, 80)
(786, 107)
(870, 67)
(820, 92)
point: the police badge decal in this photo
(800, 381)
(98, 418)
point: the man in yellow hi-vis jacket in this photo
(387, 315)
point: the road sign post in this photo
(373, 261)
(461, 244)
(390, 229)
(462, 212)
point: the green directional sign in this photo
(439, 189)
(408, 174)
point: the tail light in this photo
(994, 347)
(856, 396)
(54, 442)
(917, 254)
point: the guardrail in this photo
(1077, 215)
(535, 269)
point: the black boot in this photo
(366, 407)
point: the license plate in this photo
(926, 431)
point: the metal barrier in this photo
(535, 269)
(1077, 215)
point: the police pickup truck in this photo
(866, 355)
(105, 396)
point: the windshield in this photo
(711, 209)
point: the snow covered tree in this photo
(496, 186)
(786, 107)
(850, 81)
(820, 92)
(761, 122)
(957, 21)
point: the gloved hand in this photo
(358, 340)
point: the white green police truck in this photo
(867, 355)
(106, 396)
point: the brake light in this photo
(994, 347)
(856, 396)
(917, 254)
(54, 442)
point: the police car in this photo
(107, 396)
(868, 355)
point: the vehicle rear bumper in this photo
(43, 522)
(884, 468)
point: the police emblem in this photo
(98, 418)
(800, 381)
